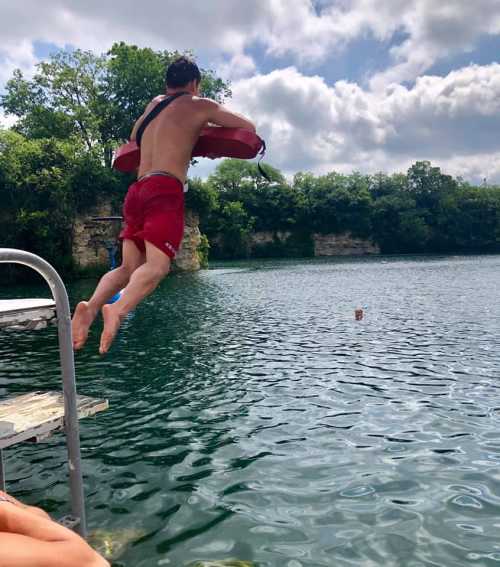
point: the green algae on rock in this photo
(112, 543)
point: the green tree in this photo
(398, 226)
(234, 176)
(201, 197)
(235, 228)
(36, 194)
(478, 219)
(95, 99)
(63, 99)
(43, 184)
(338, 203)
(274, 204)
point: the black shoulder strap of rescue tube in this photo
(259, 167)
(153, 114)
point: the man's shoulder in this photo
(204, 105)
(153, 103)
(203, 100)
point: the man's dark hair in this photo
(181, 72)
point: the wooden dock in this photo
(35, 416)
(27, 314)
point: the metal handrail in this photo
(71, 426)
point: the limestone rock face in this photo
(187, 259)
(343, 245)
(92, 238)
(268, 237)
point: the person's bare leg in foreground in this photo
(143, 281)
(110, 284)
(29, 538)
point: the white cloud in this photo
(174, 24)
(433, 29)
(437, 30)
(6, 121)
(310, 125)
(16, 55)
(239, 66)
(203, 168)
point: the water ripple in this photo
(251, 417)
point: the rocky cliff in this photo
(343, 245)
(92, 238)
(266, 237)
(322, 244)
(188, 259)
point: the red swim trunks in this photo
(154, 211)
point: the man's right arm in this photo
(221, 116)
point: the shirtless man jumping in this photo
(154, 205)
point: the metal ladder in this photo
(34, 416)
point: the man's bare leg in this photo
(142, 282)
(110, 284)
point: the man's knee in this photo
(38, 512)
(159, 270)
(126, 270)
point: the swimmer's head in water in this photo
(183, 73)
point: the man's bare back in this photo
(169, 139)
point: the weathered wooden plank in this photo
(16, 305)
(26, 314)
(36, 415)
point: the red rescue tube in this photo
(127, 157)
(214, 142)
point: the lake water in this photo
(252, 417)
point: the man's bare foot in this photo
(112, 322)
(82, 319)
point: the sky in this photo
(345, 85)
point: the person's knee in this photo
(158, 270)
(38, 512)
(125, 271)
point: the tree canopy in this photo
(93, 99)
(55, 162)
(422, 211)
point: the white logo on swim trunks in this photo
(171, 248)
